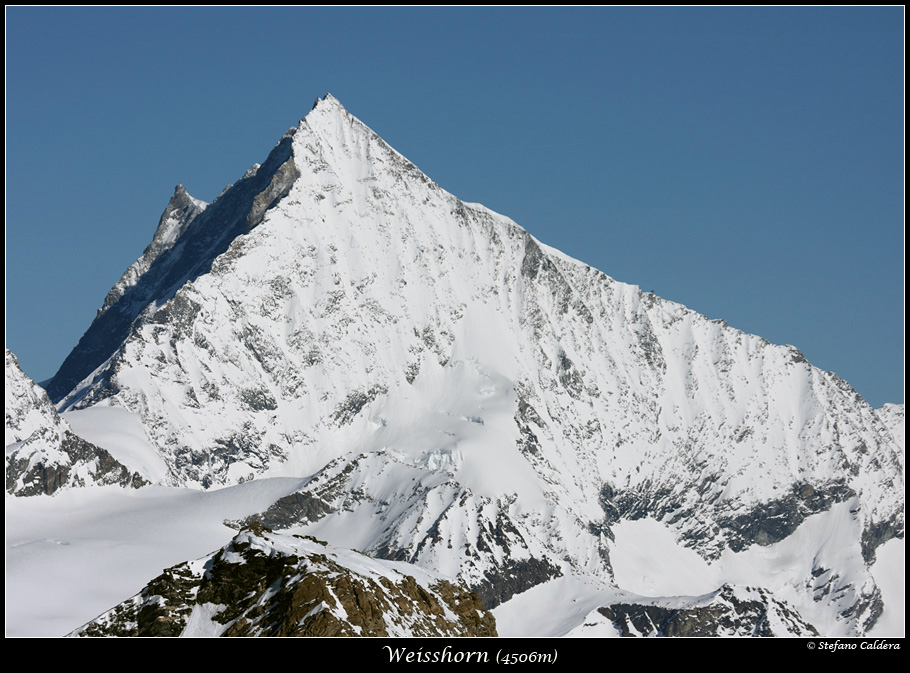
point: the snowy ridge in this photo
(496, 405)
(892, 416)
(178, 254)
(43, 454)
(418, 514)
(28, 408)
(180, 212)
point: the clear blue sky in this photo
(747, 163)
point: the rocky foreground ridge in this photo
(265, 584)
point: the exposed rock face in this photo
(263, 584)
(729, 611)
(892, 416)
(763, 524)
(27, 406)
(43, 454)
(189, 237)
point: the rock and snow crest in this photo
(264, 584)
(43, 454)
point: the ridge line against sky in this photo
(744, 162)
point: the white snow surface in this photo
(893, 417)
(74, 555)
(890, 572)
(122, 434)
(648, 561)
(28, 409)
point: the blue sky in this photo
(747, 163)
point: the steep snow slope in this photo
(462, 396)
(28, 408)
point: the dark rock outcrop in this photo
(730, 611)
(264, 584)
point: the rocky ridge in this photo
(727, 612)
(43, 454)
(264, 584)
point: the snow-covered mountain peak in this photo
(328, 100)
(428, 365)
(262, 584)
(325, 111)
(331, 139)
(178, 213)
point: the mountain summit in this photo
(458, 395)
